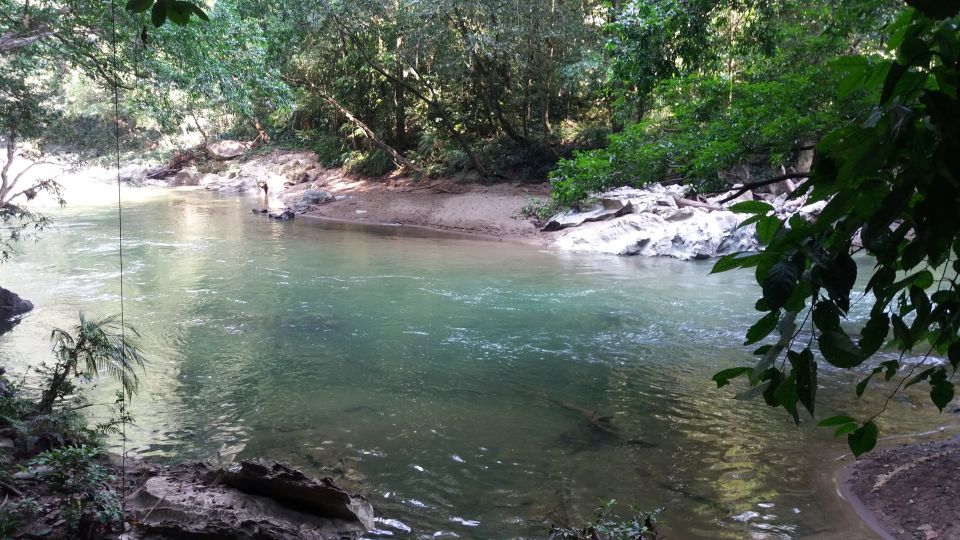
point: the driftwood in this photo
(684, 203)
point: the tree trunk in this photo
(444, 117)
(399, 105)
(6, 186)
(397, 157)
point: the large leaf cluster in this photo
(891, 183)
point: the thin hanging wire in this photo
(116, 132)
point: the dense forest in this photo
(592, 94)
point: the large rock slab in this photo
(224, 150)
(685, 234)
(258, 500)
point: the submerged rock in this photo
(283, 216)
(258, 499)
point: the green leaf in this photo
(897, 71)
(736, 260)
(836, 421)
(919, 377)
(139, 6)
(767, 227)
(844, 429)
(199, 12)
(862, 385)
(752, 207)
(786, 395)
(863, 439)
(874, 333)
(891, 367)
(179, 12)
(953, 354)
(839, 350)
(722, 378)
(839, 278)
(762, 328)
(158, 15)
(806, 369)
(941, 389)
(901, 332)
(779, 283)
(826, 317)
(936, 9)
(920, 301)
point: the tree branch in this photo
(751, 185)
(14, 40)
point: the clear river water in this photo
(442, 375)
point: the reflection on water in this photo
(458, 381)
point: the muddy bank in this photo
(907, 492)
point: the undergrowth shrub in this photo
(368, 163)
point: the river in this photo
(440, 372)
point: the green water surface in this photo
(441, 374)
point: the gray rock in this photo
(649, 198)
(283, 216)
(187, 177)
(224, 150)
(606, 209)
(259, 499)
(285, 484)
(316, 196)
(11, 305)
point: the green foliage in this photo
(329, 150)
(73, 468)
(373, 163)
(61, 450)
(737, 94)
(85, 483)
(95, 345)
(893, 179)
(15, 514)
(538, 209)
(611, 526)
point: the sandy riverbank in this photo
(444, 204)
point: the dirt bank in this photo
(489, 210)
(907, 492)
